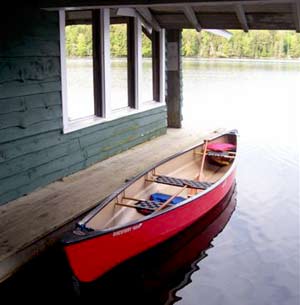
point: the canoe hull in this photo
(92, 257)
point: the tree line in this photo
(255, 44)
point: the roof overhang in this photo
(235, 14)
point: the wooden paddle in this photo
(192, 192)
(170, 199)
(199, 176)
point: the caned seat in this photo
(182, 182)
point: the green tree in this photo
(255, 44)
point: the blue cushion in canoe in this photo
(159, 197)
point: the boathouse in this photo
(40, 142)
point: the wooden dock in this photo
(30, 224)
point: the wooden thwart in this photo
(180, 182)
(226, 155)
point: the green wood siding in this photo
(33, 149)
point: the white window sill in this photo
(116, 114)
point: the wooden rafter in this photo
(297, 15)
(148, 16)
(191, 16)
(240, 13)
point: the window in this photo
(79, 71)
(119, 65)
(147, 68)
(97, 86)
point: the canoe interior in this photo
(184, 166)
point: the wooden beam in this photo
(240, 13)
(156, 65)
(146, 14)
(98, 81)
(191, 16)
(131, 63)
(92, 4)
(297, 16)
(101, 61)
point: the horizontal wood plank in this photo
(30, 117)
(19, 89)
(23, 146)
(35, 159)
(13, 133)
(25, 69)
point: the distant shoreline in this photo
(204, 59)
(270, 60)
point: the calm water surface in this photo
(247, 251)
(256, 258)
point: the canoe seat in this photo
(182, 182)
(219, 154)
(148, 206)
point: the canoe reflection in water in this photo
(154, 276)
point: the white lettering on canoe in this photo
(127, 230)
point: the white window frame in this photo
(108, 115)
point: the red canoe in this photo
(152, 207)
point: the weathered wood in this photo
(191, 17)
(148, 16)
(34, 175)
(14, 149)
(33, 150)
(141, 139)
(14, 133)
(97, 71)
(155, 3)
(273, 21)
(29, 69)
(32, 162)
(208, 21)
(131, 63)
(28, 117)
(16, 89)
(35, 159)
(36, 48)
(100, 127)
(270, 21)
(174, 78)
(12, 104)
(240, 13)
(156, 65)
(296, 7)
(123, 138)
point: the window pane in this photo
(79, 71)
(119, 65)
(147, 78)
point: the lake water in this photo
(256, 259)
(247, 251)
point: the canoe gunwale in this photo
(88, 234)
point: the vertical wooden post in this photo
(138, 60)
(98, 109)
(131, 62)
(162, 66)
(174, 78)
(101, 61)
(156, 65)
(64, 91)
